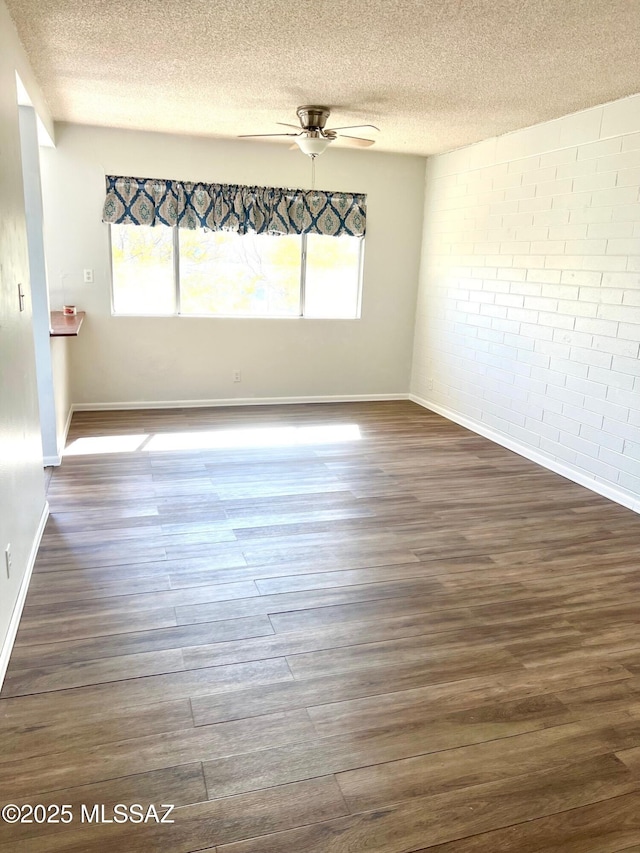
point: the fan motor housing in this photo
(313, 117)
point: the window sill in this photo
(266, 317)
(63, 325)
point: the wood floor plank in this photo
(338, 753)
(354, 577)
(136, 602)
(610, 826)
(81, 673)
(179, 786)
(450, 610)
(184, 576)
(379, 686)
(386, 550)
(150, 689)
(424, 823)
(55, 542)
(70, 768)
(356, 633)
(108, 555)
(202, 634)
(436, 699)
(221, 555)
(601, 699)
(321, 598)
(439, 662)
(379, 785)
(201, 824)
(95, 519)
(631, 758)
(64, 589)
(55, 627)
(30, 733)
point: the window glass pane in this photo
(332, 284)
(239, 275)
(142, 264)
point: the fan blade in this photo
(260, 135)
(284, 124)
(354, 127)
(357, 141)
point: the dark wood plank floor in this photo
(324, 629)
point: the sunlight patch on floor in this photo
(105, 444)
(215, 439)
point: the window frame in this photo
(178, 296)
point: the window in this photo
(142, 267)
(231, 274)
(167, 271)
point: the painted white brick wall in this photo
(528, 315)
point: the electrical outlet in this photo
(88, 276)
(429, 384)
(237, 376)
(7, 559)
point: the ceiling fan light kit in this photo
(314, 137)
(312, 145)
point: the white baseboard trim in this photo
(619, 496)
(234, 401)
(7, 646)
(54, 461)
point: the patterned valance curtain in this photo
(231, 207)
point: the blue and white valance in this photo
(232, 207)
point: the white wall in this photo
(22, 499)
(61, 389)
(30, 153)
(528, 317)
(129, 360)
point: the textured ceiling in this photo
(432, 74)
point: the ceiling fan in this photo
(314, 137)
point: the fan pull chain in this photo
(313, 171)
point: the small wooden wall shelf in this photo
(65, 325)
